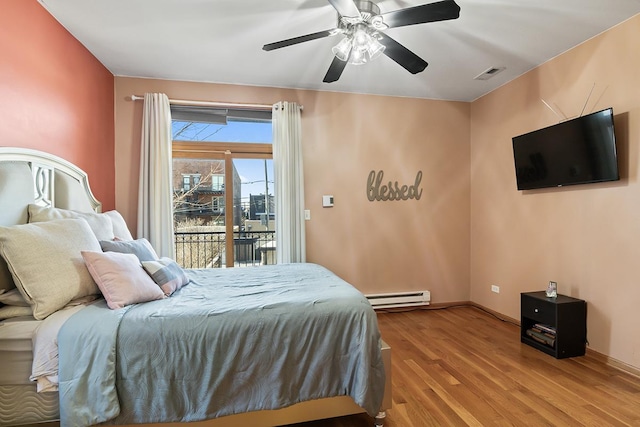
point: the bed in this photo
(338, 358)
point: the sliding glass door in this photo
(223, 193)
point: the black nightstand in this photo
(563, 320)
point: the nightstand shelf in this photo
(564, 315)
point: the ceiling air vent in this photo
(486, 75)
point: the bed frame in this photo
(31, 176)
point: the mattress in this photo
(22, 405)
(19, 401)
(16, 349)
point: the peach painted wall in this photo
(377, 246)
(587, 237)
(54, 95)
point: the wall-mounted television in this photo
(577, 151)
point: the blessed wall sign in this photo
(377, 191)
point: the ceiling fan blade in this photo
(403, 56)
(432, 12)
(300, 39)
(346, 8)
(335, 70)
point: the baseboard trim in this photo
(614, 363)
(496, 314)
(436, 306)
(603, 358)
(606, 360)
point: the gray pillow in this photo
(45, 262)
(140, 248)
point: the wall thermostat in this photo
(327, 201)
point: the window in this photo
(223, 187)
(217, 183)
(190, 181)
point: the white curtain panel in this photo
(155, 208)
(289, 183)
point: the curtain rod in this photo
(266, 107)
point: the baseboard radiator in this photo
(399, 299)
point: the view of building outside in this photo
(254, 179)
(199, 191)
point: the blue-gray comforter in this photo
(231, 341)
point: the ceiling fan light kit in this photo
(362, 24)
(359, 46)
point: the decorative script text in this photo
(392, 190)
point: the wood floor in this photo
(464, 367)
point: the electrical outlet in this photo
(495, 288)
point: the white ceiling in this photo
(221, 41)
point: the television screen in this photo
(577, 151)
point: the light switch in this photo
(307, 214)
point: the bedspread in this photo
(231, 341)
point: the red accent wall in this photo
(55, 96)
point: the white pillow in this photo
(13, 297)
(6, 281)
(9, 311)
(121, 278)
(120, 229)
(45, 262)
(100, 224)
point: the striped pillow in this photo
(167, 274)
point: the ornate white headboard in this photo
(30, 176)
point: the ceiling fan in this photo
(363, 26)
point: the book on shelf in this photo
(541, 337)
(545, 328)
(550, 335)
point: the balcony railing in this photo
(206, 249)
